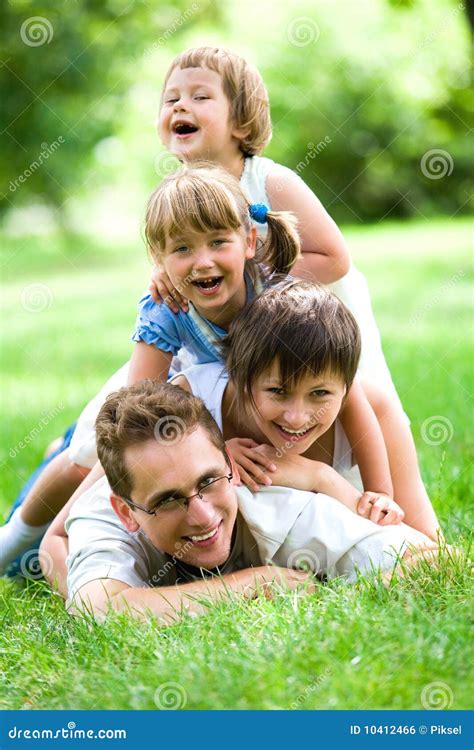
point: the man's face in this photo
(202, 535)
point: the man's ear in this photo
(124, 512)
(251, 244)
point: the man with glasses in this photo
(169, 530)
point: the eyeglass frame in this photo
(186, 500)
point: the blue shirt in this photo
(169, 331)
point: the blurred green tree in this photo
(64, 75)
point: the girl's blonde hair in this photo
(244, 88)
(200, 197)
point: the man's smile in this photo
(207, 538)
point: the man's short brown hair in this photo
(147, 411)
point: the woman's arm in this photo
(54, 547)
(325, 254)
(302, 473)
(149, 362)
(366, 439)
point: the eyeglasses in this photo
(209, 488)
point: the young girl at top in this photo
(214, 106)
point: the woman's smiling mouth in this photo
(293, 435)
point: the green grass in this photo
(355, 646)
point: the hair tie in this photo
(258, 212)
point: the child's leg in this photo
(52, 490)
(47, 490)
(409, 490)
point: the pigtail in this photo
(281, 248)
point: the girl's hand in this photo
(162, 290)
(251, 464)
(380, 509)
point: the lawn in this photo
(68, 310)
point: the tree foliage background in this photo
(370, 102)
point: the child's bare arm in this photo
(325, 254)
(149, 362)
(54, 547)
(365, 436)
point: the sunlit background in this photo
(370, 104)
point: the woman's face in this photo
(295, 416)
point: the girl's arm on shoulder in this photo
(149, 362)
(325, 253)
(366, 439)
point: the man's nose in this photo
(201, 513)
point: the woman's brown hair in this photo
(298, 324)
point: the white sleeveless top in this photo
(209, 382)
(352, 289)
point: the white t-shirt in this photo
(275, 525)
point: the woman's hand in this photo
(251, 463)
(380, 509)
(162, 290)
